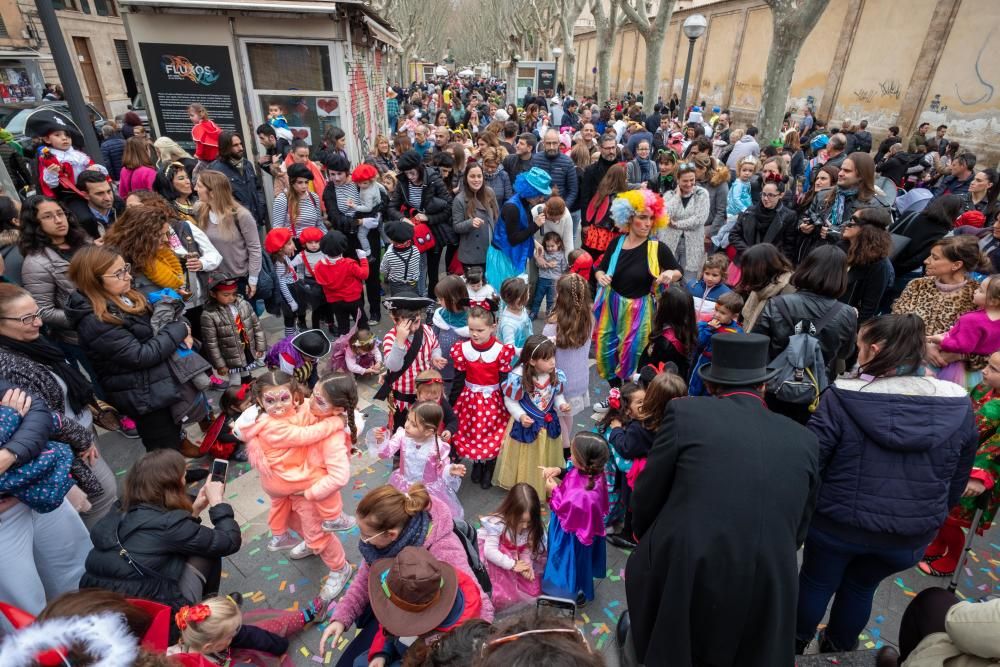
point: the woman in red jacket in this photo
(342, 279)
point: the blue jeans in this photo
(545, 287)
(852, 572)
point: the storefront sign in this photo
(546, 79)
(179, 75)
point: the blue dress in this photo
(577, 550)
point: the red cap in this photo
(972, 219)
(310, 235)
(276, 239)
(364, 172)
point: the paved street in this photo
(272, 580)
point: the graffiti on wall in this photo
(367, 101)
(888, 88)
(987, 92)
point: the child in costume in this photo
(220, 442)
(312, 291)
(727, 309)
(281, 246)
(514, 325)
(423, 456)
(369, 201)
(475, 283)
(579, 503)
(401, 261)
(737, 201)
(287, 454)
(59, 162)
(673, 335)
(624, 407)
(430, 387)
(343, 280)
(533, 394)
(335, 398)
(232, 336)
(481, 363)
(205, 134)
(581, 263)
(299, 355)
(357, 352)
(512, 546)
(943, 554)
(450, 320)
(974, 333)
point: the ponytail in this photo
(902, 340)
(590, 455)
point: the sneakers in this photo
(128, 428)
(300, 551)
(281, 542)
(335, 583)
(602, 407)
(343, 522)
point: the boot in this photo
(190, 450)
(826, 646)
(487, 481)
(887, 657)
(477, 471)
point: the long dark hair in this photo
(34, 239)
(872, 242)
(676, 310)
(823, 272)
(485, 196)
(942, 211)
(903, 342)
(590, 454)
(522, 498)
(535, 348)
(761, 265)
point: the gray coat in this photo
(45, 275)
(472, 243)
(717, 195)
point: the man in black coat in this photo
(241, 174)
(719, 513)
(594, 174)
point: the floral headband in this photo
(615, 399)
(192, 614)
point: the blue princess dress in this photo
(577, 551)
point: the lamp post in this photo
(556, 52)
(694, 27)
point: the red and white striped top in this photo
(407, 382)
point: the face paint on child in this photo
(278, 401)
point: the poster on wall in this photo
(546, 79)
(178, 75)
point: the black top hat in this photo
(42, 122)
(738, 360)
(312, 343)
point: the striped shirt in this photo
(345, 193)
(286, 274)
(407, 382)
(416, 197)
(310, 214)
(401, 266)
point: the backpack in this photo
(801, 376)
(267, 286)
(467, 536)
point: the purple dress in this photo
(577, 551)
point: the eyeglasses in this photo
(56, 215)
(368, 540)
(770, 195)
(120, 273)
(851, 223)
(26, 320)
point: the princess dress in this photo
(481, 413)
(577, 551)
(527, 449)
(509, 587)
(426, 462)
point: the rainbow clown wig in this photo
(629, 203)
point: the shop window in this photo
(3, 28)
(289, 66)
(308, 116)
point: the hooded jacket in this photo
(222, 340)
(894, 456)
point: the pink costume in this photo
(973, 333)
(482, 416)
(332, 455)
(500, 555)
(290, 472)
(426, 462)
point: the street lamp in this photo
(694, 27)
(556, 52)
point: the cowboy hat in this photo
(412, 593)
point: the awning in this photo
(382, 34)
(24, 55)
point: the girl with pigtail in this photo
(579, 503)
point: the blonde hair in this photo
(169, 150)
(219, 201)
(223, 621)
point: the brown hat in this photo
(412, 593)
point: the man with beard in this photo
(559, 167)
(242, 177)
(593, 174)
(520, 160)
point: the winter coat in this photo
(129, 359)
(750, 229)
(592, 177)
(822, 205)
(895, 455)
(11, 254)
(717, 537)
(563, 173)
(756, 300)
(633, 173)
(161, 541)
(866, 283)
(747, 145)
(969, 639)
(246, 188)
(501, 183)
(688, 222)
(140, 178)
(112, 150)
(923, 232)
(472, 243)
(718, 198)
(443, 545)
(221, 342)
(81, 209)
(435, 203)
(862, 142)
(342, 279)
(836, 338)
(45, 274)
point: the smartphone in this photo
(547, 605)
(220, 469)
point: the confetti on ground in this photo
(282, 586)
(254, 551)
(304, 651)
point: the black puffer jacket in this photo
(753, 228)
(435, 203)
(129, 359)
(161, 541)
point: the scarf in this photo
(948, 289)
(165, 269)
(645, 168)
(236, 163)
(79, 390)
(414, 534)
(839, 200)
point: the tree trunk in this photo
(570, 70)
(604, 71)
(512, 84)
(654, 56)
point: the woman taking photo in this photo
(767, 273)
(768, 221)
(819, 282)
(633, 266)
(688, 208)
(231, 229)
(877, 519)
(474, 214)
(598, 228)
(390, 520)
(138, 172)
(32, 361)
(382, 157)
(807, 234)
(297, 207)
(156, 547)
(129, 360)
(869, 269)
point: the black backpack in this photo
(467, 536)
(267, 286)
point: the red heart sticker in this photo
(301, 134)
(328, 106)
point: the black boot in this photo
(826, 646)
(487, 481)
(801, 645)
(477, 471)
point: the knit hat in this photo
(311, 235)
(276, 239)
(364, 172)
(410, 160)
(398, 231)
(334, 243)
(535, 182)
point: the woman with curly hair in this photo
(633, 266)
(142, 236)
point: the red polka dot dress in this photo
(482, 416)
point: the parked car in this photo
(139, 106)
(17, 122)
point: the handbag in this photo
(311, 291)
(599, 238)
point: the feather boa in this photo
(106, 637)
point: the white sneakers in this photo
(300, 551)
(282, 542)
(601, 407)
(341, 523)
(335, 583)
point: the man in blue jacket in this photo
(558, 166)
(241, 174)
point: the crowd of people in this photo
(798, 311)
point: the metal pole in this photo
(687, 75)
(67, 75)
